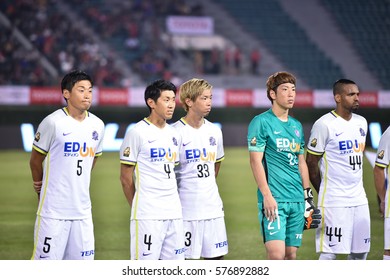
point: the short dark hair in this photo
(71, 78)
(339, 84)
(154, 90)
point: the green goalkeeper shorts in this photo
(288, 226)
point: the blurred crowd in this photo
(53, 37)
(131, 29)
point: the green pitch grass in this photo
(18, 204)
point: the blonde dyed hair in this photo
(192, 89)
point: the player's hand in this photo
(312, 213)
(270, 208)
(37, 186)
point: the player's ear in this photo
(66, 94)
(151, 103)
(337, 97)
(188, 102)
(272, 94)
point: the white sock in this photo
(327, 256)
(386, 257)
(357, 256)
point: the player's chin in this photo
(355, 108)
(290, 105)
(87, 104)
(86, 107)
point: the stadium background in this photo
(126, 44)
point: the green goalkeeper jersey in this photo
(281, 142)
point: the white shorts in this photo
(63, 239)
(344, 230)
(205, 238)
(156, 239)
(387, 233)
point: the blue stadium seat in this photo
(267, 21)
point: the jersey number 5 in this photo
(79, 167)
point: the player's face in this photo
(165, 105)
(80, 97)
(349, 99)
(202, 104)
(285, 95)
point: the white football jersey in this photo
(154, 152)
(341, 144)
(200, 149)
(383, 160)
(70, 147)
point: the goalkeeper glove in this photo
(312, 214)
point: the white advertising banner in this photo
(181, 25)
(260, 99)
(14, 95)
(222, 97)
(323, 99)
(136, 97)
(384, 99)
(218, 97)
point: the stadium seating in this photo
(366, 24)
(18, 64)
(132, 30)
(53, 36)
(267, 21)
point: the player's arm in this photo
(380, 184)
(94, 161)
(314, 170)
(127, 181)
(217, 166)
(269, 202)
(304, 171)
(312, 213)
(36, 167)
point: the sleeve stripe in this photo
(127, 162)
(220, 159)
(39, 150)
(315, 153)
(381, 164)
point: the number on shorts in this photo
(46, 245)
(148, 241)
(188, 239)
(337, 233)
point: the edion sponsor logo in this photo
(239, 97)
(159, 154)
(75, 149)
